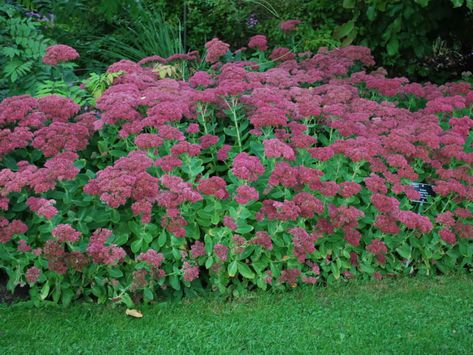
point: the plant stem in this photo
(235, 121)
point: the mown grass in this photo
(415, 316)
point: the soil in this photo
(20, 293)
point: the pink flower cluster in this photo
(152, 258)
(127, 178)
(64, 233)
(59, 53)
(289, 25)
(214, 186)
(101, 253)
(190, 272)
(259, 42)
(247, 167)
(9, 228)
(42, 206)
(303, 243)
(215, 49)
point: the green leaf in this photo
(80, 163)
(120, 239)
(423, 3)
(245, 271)
(371, 13)
(209, 262)
(335, 270)
(117, 153)
(393, 46)
(136, 245)
(115, 273)
(148, 295)
(367, 268)
(344, 30)
(232, 268)
(209, 245)
(261, 284)
(457, 3)
(260, 265)
(67, 296)
(230, 131)
(174, 282)
(404, 251)
(127, 300)
(162, 239)
(349, 4)
(246, 228)
(44, 291)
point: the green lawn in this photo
(422, 316)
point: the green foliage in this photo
(96, 84)
(22, 46)
(407, 31)
(403, 35)
(315, 32)
(49, 87)
(148, 34)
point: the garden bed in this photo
(247, 170)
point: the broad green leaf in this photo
(245, 271)
(404, 251)
(457, 3)
(148, 295)
(67, 296)
(349, 4)
(422, 3)
(162, 239)
(44, 291)
(371, 13)
(335, 271)
(209, 245)
(174, 282)
(232, 268)
(344, 30)
(127, 300)
(393, 46)
(246, 228)
(115, 273)
(136, 245)
(209, 262)
(366, 268)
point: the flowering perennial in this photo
(293, 169)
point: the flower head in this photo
(259, 42)
(289, 25)
(215, 49)
(59, 53)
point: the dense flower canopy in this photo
(242, 176)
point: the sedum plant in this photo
(265, 169)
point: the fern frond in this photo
(17, 69)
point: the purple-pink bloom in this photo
(59, 53)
